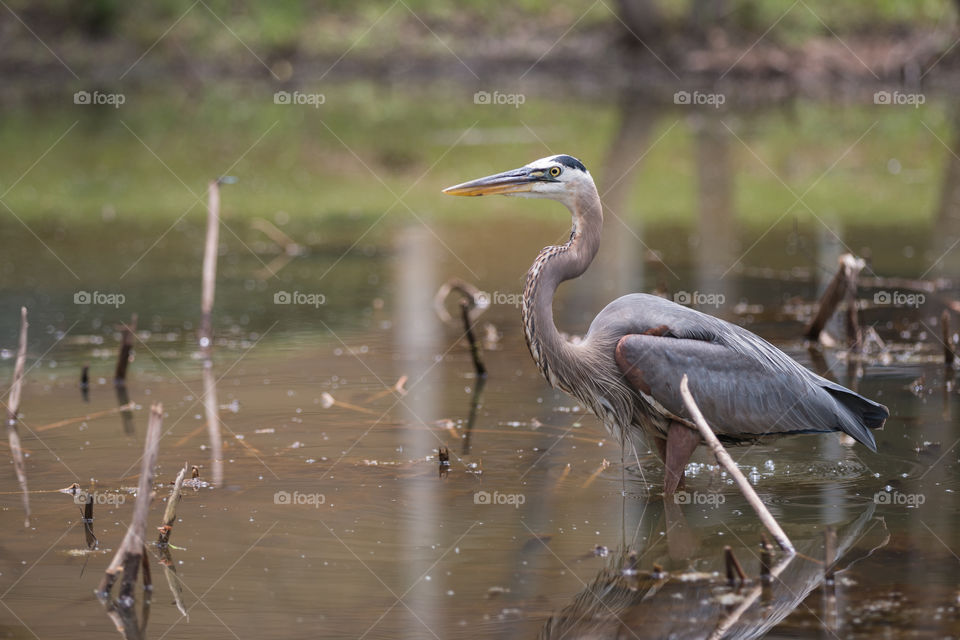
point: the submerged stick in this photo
(830, 553)
(170, 513)
(472, 416)
(123, 359)
(130, 553)
(13, 410)
(210, 251)
(90, 416)
(472, 339)
(766, 559)
(734, 616)
(948, 354)
(843, 285)
(731, 467)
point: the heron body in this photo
(627, 368)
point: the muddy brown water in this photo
(335, 522)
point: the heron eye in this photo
(555, 171)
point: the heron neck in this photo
(554, 265)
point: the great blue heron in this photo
(628, 367)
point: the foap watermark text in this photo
(99, 298)
(299, 297)
(497, 498)
(299, 499)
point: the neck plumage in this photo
(553, 266)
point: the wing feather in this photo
(744, 385)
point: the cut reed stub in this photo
(131, 552)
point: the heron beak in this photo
(514, 181)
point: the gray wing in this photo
(743, 385)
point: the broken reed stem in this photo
(123, 359)
(854, 334)
(472, 339)
(843, 285)
(724, 459)
(130, 553)
(210, 251)
(13, 410)
(170, 513)
(948, 354)
(479, 300)
(211, 411)
(733, 567)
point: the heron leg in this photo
(660, 446)
(681, 443)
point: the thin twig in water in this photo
(734, 570)
(731, 467)
(328, 401)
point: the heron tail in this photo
(858, 415)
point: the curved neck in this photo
(554, 265)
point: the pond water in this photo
(335, 520)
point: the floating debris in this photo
(494, 592)
(195, 482)
(443, 456)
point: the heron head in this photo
(554, 177)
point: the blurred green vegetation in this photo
(367, 145)
(275, 29)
